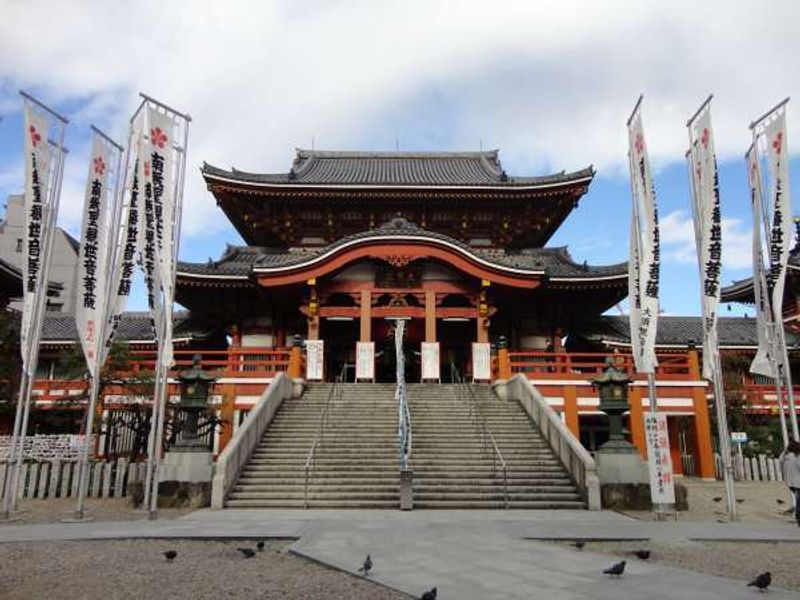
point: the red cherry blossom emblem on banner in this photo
(158, 137)
(704, 138)
(778, 142)
(639, 143)
(35, 137)
(147, 169)
(99, 165)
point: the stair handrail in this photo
(405, 436)
(464, 391)
(311, 460)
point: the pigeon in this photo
(717, 498)
(247, 552)
(616, 570)
(429, 595)
(779, 501)
(170, 555)
(367, 566)
(739, 500)
(643, 554)
(260, 546)
(762, 582)
(579, 544)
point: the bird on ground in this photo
(762, 582)
(170, 555)
(616, 570)
(779, 501)
(247, 552)
(429, 595)
(717, 498)
(642, 554)
(260, 546)
(740, 501)
(367, 566)
(579, 544)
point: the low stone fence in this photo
(754, 468)
(43, 447)
(58, 478)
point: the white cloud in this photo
(549, 82)
(678, 244)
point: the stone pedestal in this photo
(621, 468)
(406, 489)
(298, 387)
(185, 479)
(500, 388)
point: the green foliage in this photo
(10, 360)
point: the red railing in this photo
(763, 398)
(569, 365)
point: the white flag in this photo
(93, 265)
(709, 230)
(649, 250)
(148, 244)
(762, 363)
(781, 228)
(37, 169)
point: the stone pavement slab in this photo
(479, 555)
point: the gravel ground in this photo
(203, 569)
(734, 560)
(100, 509)
(758, 502)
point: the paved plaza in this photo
(481, 555)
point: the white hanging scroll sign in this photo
(365, 361)
(481, 361)
(662, 487)
(430, 361)
(315, 352)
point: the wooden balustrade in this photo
(587, 365)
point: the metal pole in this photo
(15, 442)
(635, 108)
(94, 390)
(651, 391)
(763, 117)
(724, 440)
(787, 373)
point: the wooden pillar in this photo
(313, 310)
(365, 316)
(226, 411)
(503, 364)
(674, 445)
(636, 420)
(295, 368)
(430, 316)
(571, 410)
(483, 313)
(703, 451)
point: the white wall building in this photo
(64, 265)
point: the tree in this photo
(10, 363)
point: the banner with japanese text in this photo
(90, 309)
(315, 359)
(481, 361)
(644, 303)
(763, 362)
(365, 361)
(662, 485)
(37, 168)
(430, 360)
(709, 229)
(781, 227)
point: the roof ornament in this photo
(503, 176)
(292, 174)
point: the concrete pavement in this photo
(480, 555)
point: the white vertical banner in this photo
(315, 358)
(781, 227)
(648, 272)
(365, 361)
(709, 229)
(659, 459)
(481, 361)
(430, 360)
(90, 311)
(37, 168)
(764, 361)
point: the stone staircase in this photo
(357, 462)
(452, 469)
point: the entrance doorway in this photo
(455, 346)
(385, 361)
(340, 347)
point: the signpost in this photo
(315, 353)
(481, 361)
(662, 486)
(430, 361)
(365, 361)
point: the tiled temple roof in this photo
(742, 290)
(316, 167)
(133, 326)
(239, 261)
(680, 331)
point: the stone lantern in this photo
(612, 387)
(195, 392)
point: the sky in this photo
(550, 84)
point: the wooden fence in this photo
(59, 478)
(754, 468)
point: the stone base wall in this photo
(636, 496)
